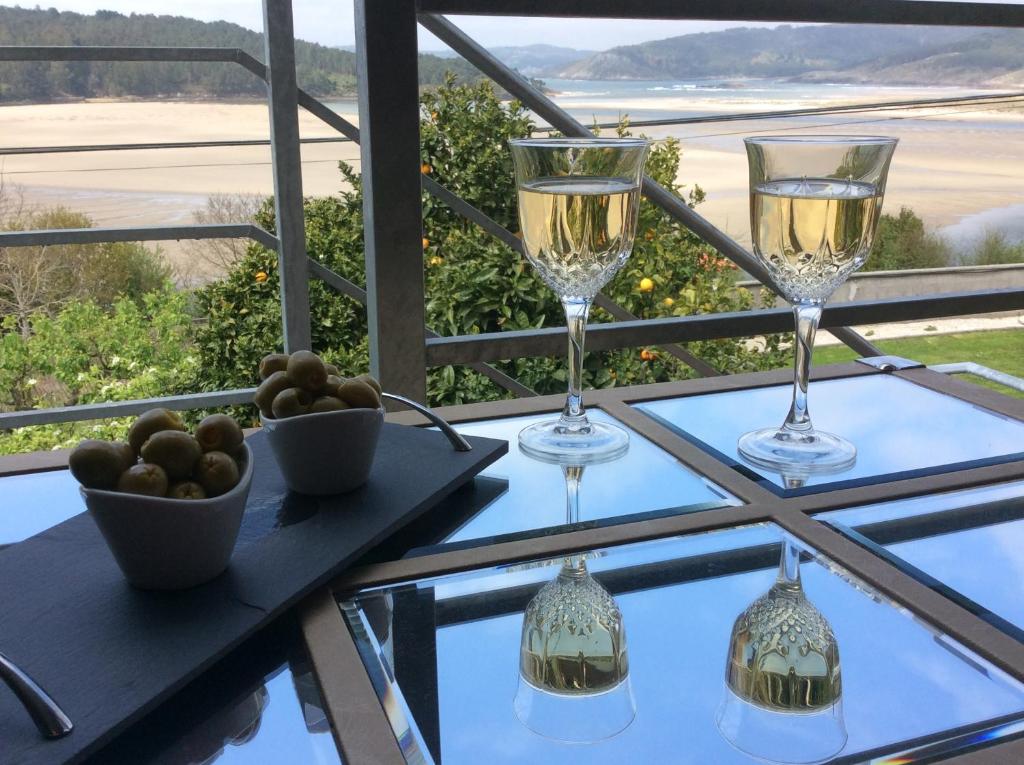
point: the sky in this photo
(329, 22)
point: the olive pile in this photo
(301, 383)
(173, 463)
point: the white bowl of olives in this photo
(169, 504)
(322, 428)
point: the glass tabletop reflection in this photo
(259, 705)
(531, 495)
(941, 539)
(900, 429)
(733, 646)
(35, 502)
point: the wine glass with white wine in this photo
(574, 681)
(578, 203)
(814, 207)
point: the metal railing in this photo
(401, 346)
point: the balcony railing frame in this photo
(401, 346)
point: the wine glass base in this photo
(786, 451)
(781, 737)
(575, 718)
(585, 443)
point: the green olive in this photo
(174, 451)
(143, 479)
(152, 422)
(98, 464)
(328, 404)
(219, 433)
(359, 394)
(186, 490)
(331, 386)
(268, 390)
(273, 362)
(332, 370)
(372, 382)
(307, 370)
(217, 472)
(291, 402)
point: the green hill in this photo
(830, 52)
(321, 70)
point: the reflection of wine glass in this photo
(814, 207)
(573, 665)
(578, 203)
(783, 696)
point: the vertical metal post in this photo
(282, 96)
(386, 48)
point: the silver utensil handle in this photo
(48, 717)
(459, 443)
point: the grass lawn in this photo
(1001, 349)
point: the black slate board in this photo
(110, 653)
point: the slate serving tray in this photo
(109, 653)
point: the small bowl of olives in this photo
(322, 427)
(168, 503)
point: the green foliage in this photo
(901, 242)
(994, 249)
(46, 278)
(87, 354)
(321, 70)
(474, 283)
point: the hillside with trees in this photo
(321, 70)
(826, 53)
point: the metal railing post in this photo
(285, 153)
(386, 50)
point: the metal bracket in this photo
(890, 363)
(48, 717)
(459, 443)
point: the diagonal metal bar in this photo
(519, 87)
(345, 287)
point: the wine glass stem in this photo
(789, 565)
(572, 475)
(807, 316)
(576, 313)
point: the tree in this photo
(901, 242)
(45, 278)
(474, 283)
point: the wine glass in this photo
(783, 697)
(578, 203)
(573, 665)
(814, 207)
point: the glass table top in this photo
(528, 495)
(900, 429)
(518, 664)
(260, 705)
(969, 545)
(35, 502)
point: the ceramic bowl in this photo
(325, 452)
(170, 544)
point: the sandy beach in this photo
(950, 165)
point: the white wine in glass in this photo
(814, 207)
(578, 204)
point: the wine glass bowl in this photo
(783, 695)
(815, 202)
(573, 665)
(578, 204)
